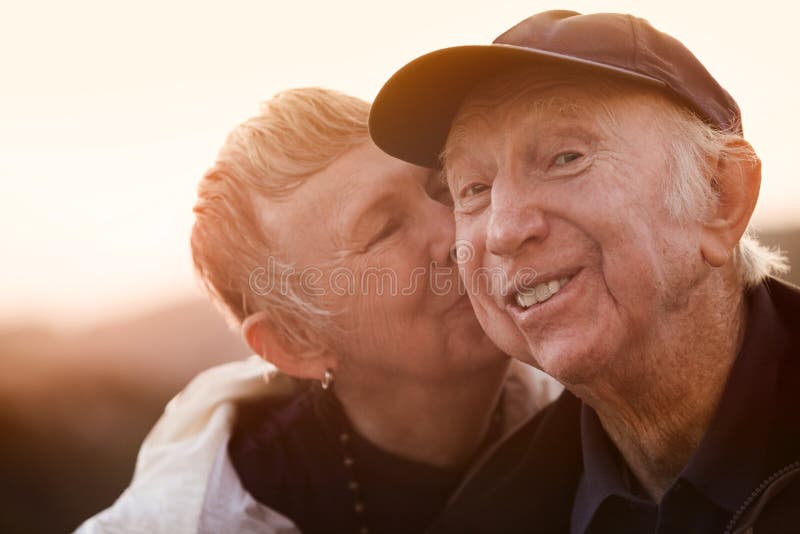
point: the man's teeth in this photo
(540, 293)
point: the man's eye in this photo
(566, 157)
(473, 189)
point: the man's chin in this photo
(570, 365)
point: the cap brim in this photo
(411, 116)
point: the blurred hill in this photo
(75, 408)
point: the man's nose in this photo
(514, 219)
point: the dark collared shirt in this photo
(290, 458)
(731, 461)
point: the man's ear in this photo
(737, 182)
(299, 356)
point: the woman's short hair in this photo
(298, 132)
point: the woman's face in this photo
(370, 237)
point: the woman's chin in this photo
(474, 350)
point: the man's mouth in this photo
(527, 295)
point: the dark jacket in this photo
(532, 485)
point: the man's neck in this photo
(436, 423)
(658, 418)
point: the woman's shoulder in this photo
(215, 390)
(179, 455)
(266, 422)
(282, 452)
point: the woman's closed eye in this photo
(386, 231)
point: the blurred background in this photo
(110, 113)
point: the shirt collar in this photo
(731, 458)
(604, 472)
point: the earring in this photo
(327, 379)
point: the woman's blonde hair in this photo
(299, 132)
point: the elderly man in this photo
(603, 189)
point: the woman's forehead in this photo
(323, 211)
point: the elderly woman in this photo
(335, 259)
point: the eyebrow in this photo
(450, 150)
(457, 149)
(469, 165)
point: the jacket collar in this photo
(738, 434)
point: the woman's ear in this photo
(737, 182)
(300, 359)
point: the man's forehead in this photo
(543, 104)
(553, 104)
(544, 89)
(547, 109)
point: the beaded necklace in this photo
(345, 439)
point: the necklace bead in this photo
(352, 484)
(348, 459)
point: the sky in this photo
(111, 111)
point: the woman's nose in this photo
(440, 226)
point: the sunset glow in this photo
(112, 111)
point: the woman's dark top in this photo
(290, 457)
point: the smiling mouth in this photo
(525, 297)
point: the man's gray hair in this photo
(689, 193)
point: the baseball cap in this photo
(411, 116)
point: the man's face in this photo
(577, 265)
